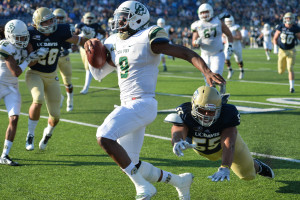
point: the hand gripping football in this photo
(95, 53)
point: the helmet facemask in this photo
(129, 18)
(206, 105)
(47, 28)
(289, 18)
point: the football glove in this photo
(221, 174)
(223, 15)
(197, 41)
(87, 32)
(180, 146)
(37, 54)
(229, 49)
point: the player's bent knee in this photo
(248, 178)
(149, 172)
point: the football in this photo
(96, 53)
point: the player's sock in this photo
(6, 148)
(88, 79)
(31, 126)
(292, 82)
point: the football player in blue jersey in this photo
(41, 79)
(285, 38)
(209, 125)
(88, 29)
(64, 63)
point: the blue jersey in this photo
(208, 138)
(287, 38)
(55, 41)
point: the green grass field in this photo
(74, 167)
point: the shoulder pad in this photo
(173, 118)
(6, 49)
(194, 26)
(157, 33)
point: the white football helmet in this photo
(16, 33)
(229, 21)
(161, 22)
(132, 14)
(202, 12)
(289, 18)
(41, 15)
(266, 26)
(206, 105)
(89, 18)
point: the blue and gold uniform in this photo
(287, 41)
(208, 139)
(42, 79)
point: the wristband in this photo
(23, 65)
(225, 166)
(79, 40)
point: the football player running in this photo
(41, 79)
(88, 29)
(13, 61)
(207, 33)
(134, 53)
(64, 63)
(266, 34)
(285, 38)
(210, 124)
(236, 47)
(162, 23)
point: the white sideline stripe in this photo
(162, 138)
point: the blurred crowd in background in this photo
(177, 13)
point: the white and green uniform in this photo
(267, 34)
(211, 46)
(137, 69)
(9, 86)
(236, 45)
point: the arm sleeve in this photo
(99, 74)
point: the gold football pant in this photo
(65, 68)
(84, 58)
(286, 60)
(45, 86)
(242, 165)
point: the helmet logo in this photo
(140, 9)
(11, 28)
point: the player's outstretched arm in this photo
(190, 56)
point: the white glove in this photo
(197, 41)
(180, 146)
(229, 49)
(275, 49)
(221, 174)
(87, 32)
(37, 54)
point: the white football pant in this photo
(127, 124)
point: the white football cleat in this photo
(184, 185)
(29, 143)
(6, 160)
(84, 91)
(44, 141)
(144, 189)
(145, 192)
(230, 73)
